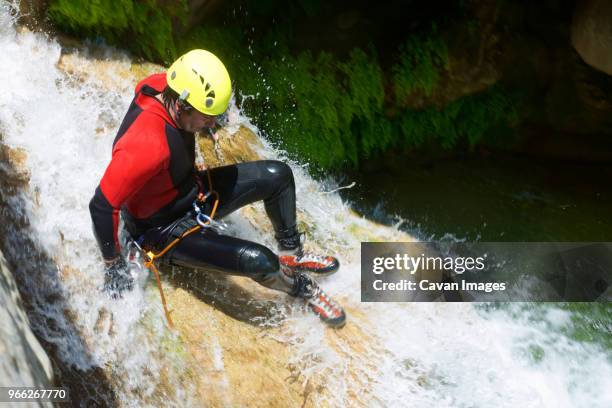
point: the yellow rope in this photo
(151, 256)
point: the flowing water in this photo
(418, 355)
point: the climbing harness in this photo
(203, 220)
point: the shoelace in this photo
(321, 300)
(315, 296)
(305, 256)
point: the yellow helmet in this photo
(201, 79)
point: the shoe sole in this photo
(338, 325)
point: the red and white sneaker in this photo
(303, 261)
(328, 310)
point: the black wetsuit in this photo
(237, 185)
(151, 180)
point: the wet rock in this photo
(32, 13)
(239, 147)
(592, 33)
(23, 362)
(475, 58)
(198, 10)
(12, 167)
(234, 344)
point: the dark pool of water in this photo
(490, 199)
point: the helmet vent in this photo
(199, 76)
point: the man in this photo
(152, 181)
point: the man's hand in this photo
(117, 278)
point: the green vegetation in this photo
(421, 60)
(590, 323)
(328, 110)
(587, 322)
(331, 113)
(144, 26)
(313, 106)
(467, 119)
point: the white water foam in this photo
(425, 354)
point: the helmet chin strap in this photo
(176, 111)
(171, 108)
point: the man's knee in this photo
(278, 172)
(258, 262)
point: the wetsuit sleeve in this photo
(130, 168)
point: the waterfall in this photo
(62, 113)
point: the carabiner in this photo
(204, 220)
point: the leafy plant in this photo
(145, 26)
(420, 61)
(322, 109)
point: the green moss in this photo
(467, 119)
(331, 113)
(328, 111)
(322, 110)
(421, 60)
(145, 27)
(590, 323)
(536, 353)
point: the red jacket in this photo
(151, 176)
